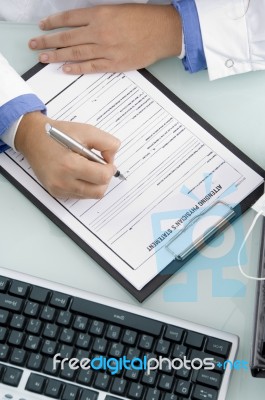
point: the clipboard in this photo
(186, 253)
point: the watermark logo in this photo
(115, 365)
(221, 254)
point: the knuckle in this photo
(66, 37)
(43, 42)
(99, 192)
(76, 53)
(105, 176)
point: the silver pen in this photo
(77, 147)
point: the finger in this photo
(73, 53)
(91, 172)
(92, 66)
(71, 18)
(91, 137)
(79, 190)
(69, 37)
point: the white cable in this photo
(243, 244)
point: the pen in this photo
(77, 147)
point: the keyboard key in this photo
(89, 395)
(80, 323)
(16, 338)
(64, 318)
(108, 397)
(67, 372)
(129, 337)
(183, 388)
(117, 316)
(4, 314)
(113, 332)
(202, 393)
(194, 340)
(50, 331)
(49, 347)
(102, 381)
(85, 377)
(67, 336)
(97, 328)
(166, 382)
(18, 322)
(33, 343)
(119, 386)
(36, 383)
(153, 394)
(18, 288)
(12, 376)
(174, 333)
(218, 347)
(48, 314)
(59, 300)
(83, 341)
(35, 362)
(116, 350)
(170, 396)
(4, 283)
(146, 342)
(136, 391)
(3, 334)
(70, 392)
(40, 295)
(32, 309)
(10, 303)
(162, 347)
(48, 367)
(53, 388)
(34, 326)
(209, 378)
(18, 357)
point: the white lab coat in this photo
(233, 33)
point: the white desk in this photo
(204, 290)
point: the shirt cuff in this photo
(11, 114)
(9, 136)
(194, 59)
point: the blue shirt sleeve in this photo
(15, 108)
(194, 59)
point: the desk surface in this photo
(209, 289)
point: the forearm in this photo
(16, 99)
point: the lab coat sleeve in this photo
(16, 99)
(233, 34)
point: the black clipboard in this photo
(180, 259)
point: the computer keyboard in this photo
(42, 322)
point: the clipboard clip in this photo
(218, 214)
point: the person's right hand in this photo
(62, 172)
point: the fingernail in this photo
(43, 57)
(33, 44)
(42, 24)
(67, 68)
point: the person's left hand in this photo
(110, 38)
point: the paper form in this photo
(174, 168)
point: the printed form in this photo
(175, 170)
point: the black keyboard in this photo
(102, 348)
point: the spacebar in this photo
(116, 316)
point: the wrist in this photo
(29, 130)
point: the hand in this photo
(63, 172)
(111, 38)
